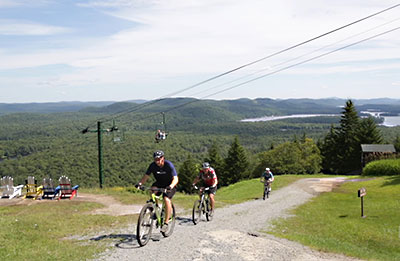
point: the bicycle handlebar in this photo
(163, 190)
(205, 188)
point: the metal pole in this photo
(100, 147)
(362, 206)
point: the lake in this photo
(274, 118)
(389, 121)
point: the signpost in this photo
(361, 193)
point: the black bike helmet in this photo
(206, 165)
(158, 154)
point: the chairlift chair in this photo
(161, 133)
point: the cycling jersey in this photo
(163, 175)
(267, 175)
(209, 178)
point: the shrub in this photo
(382, 168)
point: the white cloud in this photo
(12, 27)
(182, 39)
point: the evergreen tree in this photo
(341, 149)
(236, 164)
(329, 153)
(215, 159)
(368, 132)
(187, 173)
(397, 144)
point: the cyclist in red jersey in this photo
(209, 177)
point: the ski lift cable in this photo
(302, 62)
(282, 51)
(123, 112)
(282, 69)
(293, 59)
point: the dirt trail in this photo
(234, 234)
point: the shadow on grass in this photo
(395, 180)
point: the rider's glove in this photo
(138, 185)
(168, 188)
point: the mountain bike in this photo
(202, 207)
(267, 188)
(153, 212)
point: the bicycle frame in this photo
(156, 200)
(201, 207)
(153, 210)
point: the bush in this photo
(382, 168)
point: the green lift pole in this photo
(100, 147)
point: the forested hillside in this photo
(52, 144)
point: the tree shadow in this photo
(394, 180)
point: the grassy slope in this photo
(332, 222)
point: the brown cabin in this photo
(371, 152)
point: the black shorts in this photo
(169, 194)
(212, 190)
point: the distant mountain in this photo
(49, 107)
(213, 109)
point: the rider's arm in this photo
(272, 177)
(144, 179)
(195, 180)
(174, 182)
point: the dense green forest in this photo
(52, 144)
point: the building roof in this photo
(378, 148)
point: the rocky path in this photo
(234, 233)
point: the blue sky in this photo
(120, 50)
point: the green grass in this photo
(41, 231)
(251, 189)
(52, 230)
(332, 222)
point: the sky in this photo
(120, 50)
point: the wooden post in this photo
(361, 193)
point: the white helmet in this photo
(267, 169)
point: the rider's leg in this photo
(168, 209)
(212, 201)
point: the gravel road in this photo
(233, 234)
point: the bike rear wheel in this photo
(196, 214)
(145, 224)
(209, 213)
(171, 223)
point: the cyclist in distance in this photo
(209, 177)
(166, 177)
(268, 177)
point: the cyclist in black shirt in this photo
(166, 177)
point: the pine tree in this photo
(215, 159)
(341, 148)
(187, 173)
(368, 132)
(397, 144)
(236, 164)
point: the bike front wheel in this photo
(145, 224)
(196, 214)
(171, 223)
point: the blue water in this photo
(391, 121)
